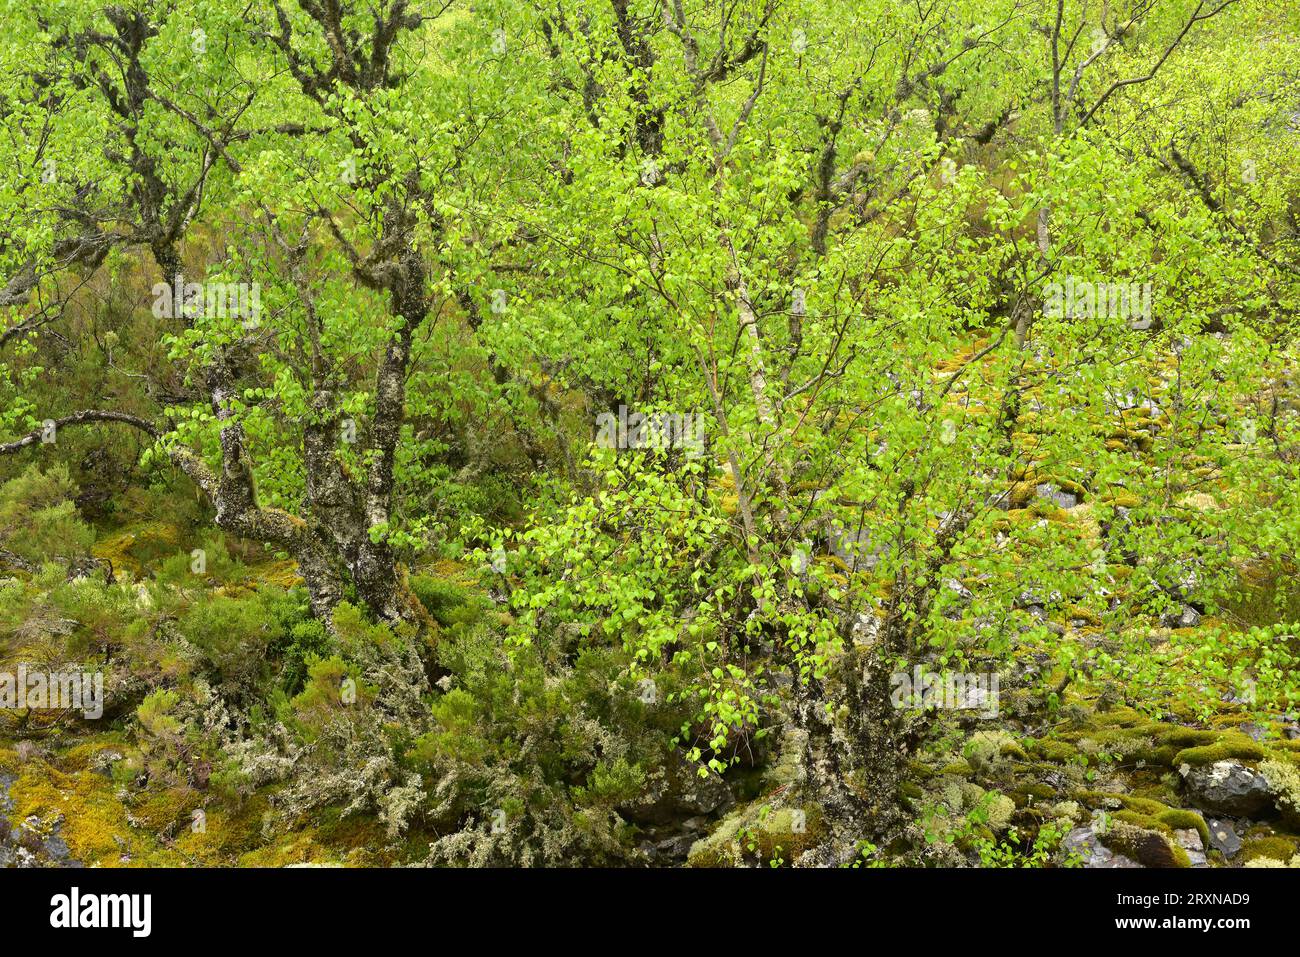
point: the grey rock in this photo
(866, 628)
(1227, 787)
(1085, 842)
(1033, 599)
(853, 547)
(1185, 617)
(1189, 839)
(1223, 837)
(1059, 497)
(670, 850)
(960, 590)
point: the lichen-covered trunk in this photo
(856, 757)
(375, 570)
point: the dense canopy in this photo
(723, 432)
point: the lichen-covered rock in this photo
(760, 834)
(1148, 848)
(1084, 844)
(1190, 841)
(1284, 784)
(1058, 497)
(675, 792)
(1227, 787)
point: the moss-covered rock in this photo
(1149, 848)
(1284, 782)
(759, 834)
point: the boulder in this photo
(1085, 843)
(1227, 787)
(677, 792)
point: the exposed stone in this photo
(866, 628)
(1051, 493)
(1223, 838)
(1185, 617)
(677, 793)
(1227, 787)
(1085, 843)
(1189, 839)
(957, 588)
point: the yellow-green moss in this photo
(1234, 745)
(1028, 794)
(162, 809)
(1050, 749)
(298, 847)
(1149, 847)
(1276, 847)
(1148, 813)
(92, 820)
(758, 833)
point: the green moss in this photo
(163, 809)
(225, 836)
(1050, 749)
(1030, 794)
(1148, 847)
(1181, 820)
(1177, 735)
(720, 848)
(1142, 805)
(1164, 744)
(788, 832)
(81, 757)
(299, 847)
(1122, 717)
(759, 834)
(1148, 813)
(1233, 745)
(985, 748)
(90, 818)
(1275, 847)
(1012, 749)
(921, 770)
